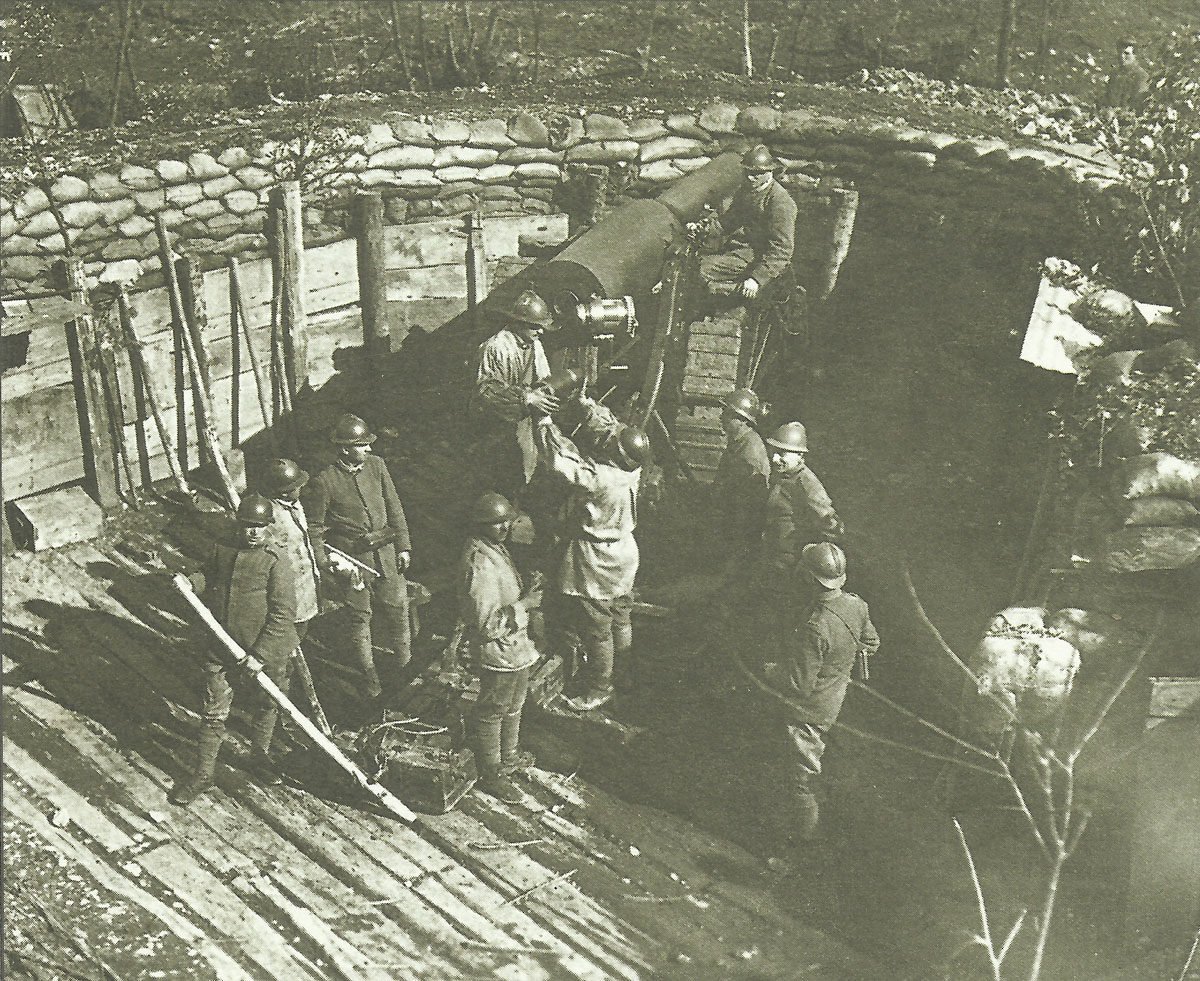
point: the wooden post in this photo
(477, 275)
(372, 279)
(166, 257)
(195, 317)
(100, 465)
(106, 365)
(235, 366)
(290, 262)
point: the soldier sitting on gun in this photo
(249, 588)
(763, 215)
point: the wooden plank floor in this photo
(101, 695)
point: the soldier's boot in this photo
(485, 743)
(260, 763)
(201, 780)
(360, 641)
(512, 757)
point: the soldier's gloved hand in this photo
(750, 288)
(250, 665)
(541, 402)
(404, 560)
(532, 599)
(340, 566)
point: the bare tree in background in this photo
(1004, 43)
(747, 57)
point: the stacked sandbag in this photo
(1154, 496)
(1022, 665)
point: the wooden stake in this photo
(191, 298)
(372, 279)
(310, 691)
(100, 464)
(106, 364)
(138, 362)
(385, 797)
(294, 319)
(166, 257)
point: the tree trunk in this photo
(747, 57)
(1043, 48)
(1007, 12)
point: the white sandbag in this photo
(1017, 618)
(1085, 630)
(1037, 666)
(1155, 511)
(1143, 549)
(1161, 474)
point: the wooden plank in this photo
(429, 282)
(47, 345)
(19, 382)
(427, 314)
(42, 444)
(21, 316)
(724, 326)
(1173, 697)
(702, 385)
(222, 964)
(714, 365)
(715, 343)
(444, 242)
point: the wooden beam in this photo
(372, 278)
(100, 465)
(166, 256)
(289, 248)
(477, 271)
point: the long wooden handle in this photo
(143, 372)
(207, 431)
(379, 792)
(310, 691)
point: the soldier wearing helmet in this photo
(352, 505)
(510, 366)
(743, 474)
(600, 554)
(249, 588)
(763, 215)
(283, 482)
(798, 509)
(819, 653)
(496, 605)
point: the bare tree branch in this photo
(909, 714)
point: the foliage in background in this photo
(1158, 234)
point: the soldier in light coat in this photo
(249, 588)
(600, 557)
(495, 606)
(509, 367)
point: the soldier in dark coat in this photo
(353, 506)
(799, 511)
(1127, 86)
(819, 652)
(249, 589)
(763, 215)
(743, 476)
(495, 606)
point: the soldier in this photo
(1127, 86)
(510, 365)
(765, 216)
(352, 506)
(495, 607)
(798, 510)
(600, 561)
(249, 589)
(283, 482)
(820, 651)
(743, 475)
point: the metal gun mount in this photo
(601, 318)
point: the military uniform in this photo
(814, 672)
(508, 366)
(1127, 87)
(741, 486)
(289, 533)
(798, 512)
(766, 221)
(344, 506)
(497, 631)
(600, 557)
(251, 593)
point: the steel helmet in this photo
(529, 308)
(633, 447)
(283, 476)
(255, 510)
(745, 403)
(791, 437)
(351, 431)
(758, 160)
(492, 508)
(826, 563)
